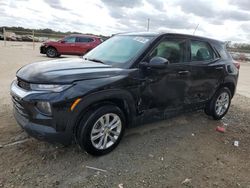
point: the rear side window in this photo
(201, 51)
(84, 39)
(174, 50)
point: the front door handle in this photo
(183, 72)
(219, 68)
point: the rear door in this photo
(206, 71)
(83, 44)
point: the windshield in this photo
(119, 49)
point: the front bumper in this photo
(41, 132)
(43, 49)
(34, 123)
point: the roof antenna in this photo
(196, 29)
(148, 24)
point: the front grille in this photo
(18, 106)
(22, 84)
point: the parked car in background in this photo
(70, 45)
(11, 38)
(125, 81)
(1, 36)
(29, 38)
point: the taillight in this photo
(237, 64)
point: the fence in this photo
(26, 38)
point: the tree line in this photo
(43, 31)
(244, 47)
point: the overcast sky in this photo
(220, 19)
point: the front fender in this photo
(101, 96)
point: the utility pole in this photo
(4, 36)
(196, 29)
(148, 24)
(33, 39)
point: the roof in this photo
(83, 35)
(165, 33)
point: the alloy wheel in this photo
(222, 103)
(106, 131)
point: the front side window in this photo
(173, 50)
(70, 39)
(201, 51)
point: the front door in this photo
(168, 87)
(68, 46)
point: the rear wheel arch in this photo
(230, 86)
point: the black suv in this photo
(123, 82)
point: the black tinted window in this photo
(201, 51)
(173, 50)
(84, 39)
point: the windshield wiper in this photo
(94, 60)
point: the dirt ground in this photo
(184, 151)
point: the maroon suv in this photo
(70, 45)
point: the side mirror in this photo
(62, 41)
(156, 63)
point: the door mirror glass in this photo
(156, 62)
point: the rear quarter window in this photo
(223, 51)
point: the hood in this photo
(65, 70)
(51, 42)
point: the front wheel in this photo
(219, 104)
(101, 130)
(51, 52)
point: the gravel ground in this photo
(184, 151)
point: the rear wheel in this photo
(101, 130)
(51, 52)
(219, 104)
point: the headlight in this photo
(48, 87)
(44, 107)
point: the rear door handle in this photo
(184, 72)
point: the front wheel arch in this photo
(121, 98)
(122, 104)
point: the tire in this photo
(206, 109)
(93, 130)
(219, 104)
(51, 52)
